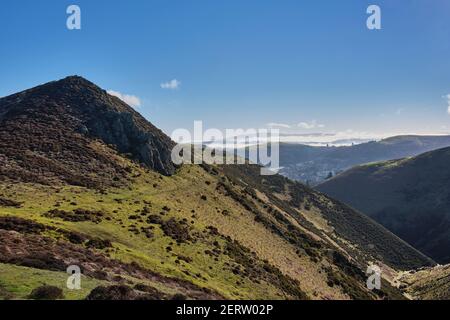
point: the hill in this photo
(86, 181)
(427, 283)
(410, 197)
(49, 133)
(314, 164)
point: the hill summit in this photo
(49, 133)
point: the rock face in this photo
(72, 114)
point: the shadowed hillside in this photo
(411, 197)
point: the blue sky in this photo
(245, 63)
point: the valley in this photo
(140, 228)
(314, 165)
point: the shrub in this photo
(154, 219)
(176, 230)
(185, 258)
(46, 293)
(121, 292)
(150, 292)
(40, 260)
(99, 244)
(21, 225)
(9, 203)
(77, 215)
(179, 297)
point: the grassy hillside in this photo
(177, 235)
(359, 236)
(427, 283)
(409, 196)
(86, 181)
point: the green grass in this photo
(17, 282)
(204, 270)
(279, 252)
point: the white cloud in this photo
(340, 138)
(171, 85)
(131, 100)
(400, 111)
(278, 125)
(448, 102)
(310, 125)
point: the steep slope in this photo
(358, 236)
(48, 133)
(80, 195)
(198, 233)
(411, 197)
(314, 164)
(427, 283)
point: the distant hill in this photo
(313, 165)
(86, 181)
(411, 197)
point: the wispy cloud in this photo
(400, 111)
(129, 99)
(340, 138)
(310, 125)
(278, 125)
(171, 85)
(448, 102)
